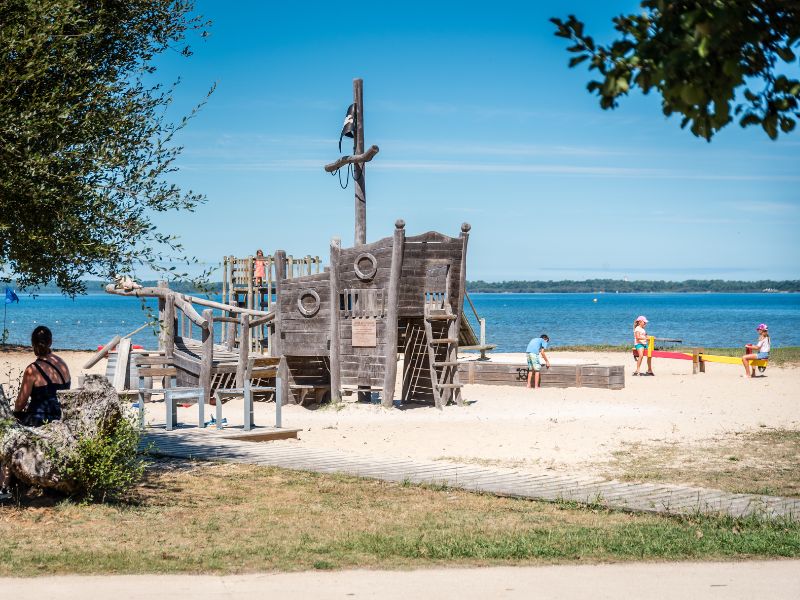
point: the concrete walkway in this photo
(640, 497)
(777, 580)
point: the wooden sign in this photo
(364, 333)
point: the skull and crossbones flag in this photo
(349, 126)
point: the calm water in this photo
(511, 319)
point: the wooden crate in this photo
(489, 373)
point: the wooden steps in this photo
(446, 363)
(444, 341)
(441, 317)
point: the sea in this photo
(705, 320)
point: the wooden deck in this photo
(636, 497)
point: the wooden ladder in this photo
(442, 341)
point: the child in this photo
(757, 351)
(536, 355)
(260, 268)
(640, 343)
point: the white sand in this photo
(574, 428)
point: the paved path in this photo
(640, 497)
(777, 580)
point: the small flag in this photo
(11, 296)
(349, 126)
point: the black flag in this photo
(349, 127)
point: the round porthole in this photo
(308, 303)
(365, 266)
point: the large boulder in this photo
(37, 455)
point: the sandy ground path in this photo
(745, 580)
(572, 429)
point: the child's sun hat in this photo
(762, 327)
(644, 320)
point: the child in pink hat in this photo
(640, 342)
(757, 351)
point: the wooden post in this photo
(393, 302)
(250, 276)
(224, 279)
(244, 350)
(169, 326)
(336, 375)
(701, 362)
(161, 304)
(282, 394)
(462, 280)
(207, 357)
(230, 333)
(359, 168)
(276, 347)
(695, 361)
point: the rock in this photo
(36, 454)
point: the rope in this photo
(347, 179)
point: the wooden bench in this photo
(256, 369)
(161, 366)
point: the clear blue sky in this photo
(478, 119)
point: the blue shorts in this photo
(533, 362)
(762, 356)
(640, 347)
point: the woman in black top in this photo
(41, 381)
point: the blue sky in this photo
(478, 119)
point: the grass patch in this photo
(789, 355)
(225, 518)
(759, 462)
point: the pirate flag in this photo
(349, 126)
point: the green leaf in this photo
(576, 60)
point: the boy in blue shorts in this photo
(537, 356)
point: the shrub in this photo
(107, 465)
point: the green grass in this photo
(778, 355)
(235, 518)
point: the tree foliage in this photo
(86, 149)
(712, 61)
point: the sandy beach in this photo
(575, 429)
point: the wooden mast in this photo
(358, 160)
(359, 167)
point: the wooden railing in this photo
(178, 318)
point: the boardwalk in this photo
(639, 497)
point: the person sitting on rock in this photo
(37, 402)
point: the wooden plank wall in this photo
(303, 335)
(364, 366)
(422, 253)
(561, 376)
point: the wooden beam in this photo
(276, 347)
(102, 352)
(390, 369)
(364, 157)
(359, 168)
(123, 353)
(244, 351)
(336, 393)
(168, 325)
(207, 357)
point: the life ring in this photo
(308, 311)
(367, 274)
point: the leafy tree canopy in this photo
(85, 147)
(697, 54)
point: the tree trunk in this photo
(36, 454)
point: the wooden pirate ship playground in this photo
(382, 319)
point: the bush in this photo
(107, 465)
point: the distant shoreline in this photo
(564, 286)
